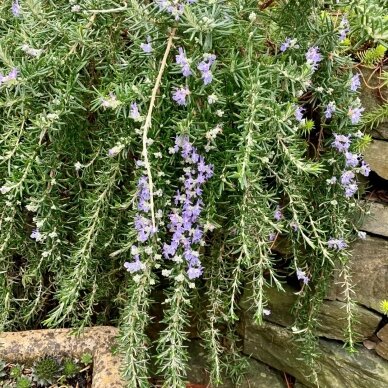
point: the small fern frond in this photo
(377, 116)
(372, 56)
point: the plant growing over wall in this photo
(174, 144)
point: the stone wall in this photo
(273, 343)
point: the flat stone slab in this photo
(369, 269)
(331, 319)
(258, 375)
(376, 155)
(377, 221)
(382, 347)
(276, 346)
(29, 345)
(371, 99)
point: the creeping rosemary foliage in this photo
(153, 147)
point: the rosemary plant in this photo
(170, 145)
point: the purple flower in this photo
(344, 29)
(143, 194)
(185, 222)
(347, 177)
(134, 111)
(337, 244)
(278, 215)
(16, 9)
(36, 235)
(332, 180)
(299, 113)
(147, 47)
(355, 114)
(301, 275)
(182, 60)
(194, 273)
(330, 109)
(294, 226)
(135, 266)
(144, 228)
(341, 142)
(272, 236)
(355, 82)
(12, 75)
(204, 68)
(285, 45)
(364, 169)
(175, 8)
(351, 159)
(180, 94)
(313, 57)
(350, 190)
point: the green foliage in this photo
(372, 56)
(16, 371)
(375, 117)
(86, 359)
(3, 366)
(70, 368)
(46, 371)
(72, 154)
(23, 382)
(384, 306)
(369, 21)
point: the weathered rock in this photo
(258, 375)
(275, 346)
(369, 267)
(370, 345)
(377, 221)
(382, 347)
(371, 99)
(30, 345)
(332, 316)
(383, 333)
(381, 132)
(376, 155)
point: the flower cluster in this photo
(355, 82)
(31, 51)
(337, 243)
(147, 47)
(299, 111)
(344, 28)
(110, 102)
(134, 113)
(182, 60)
(143, 225)
(301, 275)
(342, 144)
(175, 8)
(184, 221)
(355, 113)
(12, 76)
(313, 57)
(288, 43)
(204, 68)
(16, 9)
(330, 109)
(36, 235)
(278, 215)
(180, 94)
